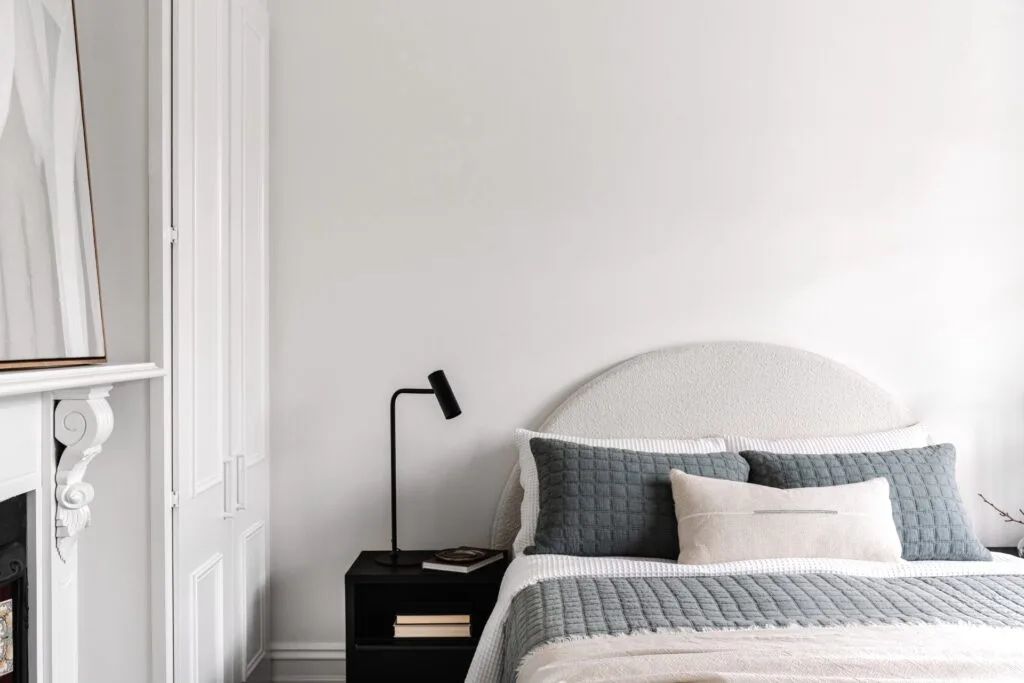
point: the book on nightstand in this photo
(411, 619)
(480, 558)
(432, 626)
(433, 630)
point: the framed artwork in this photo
(50, 310)
(6, 637)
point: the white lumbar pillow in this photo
(727, 521)
(528, 468)
(914, 436)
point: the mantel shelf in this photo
(19, 382)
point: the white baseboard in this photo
(303, 650)
(307, 662)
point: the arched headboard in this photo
(740, 388)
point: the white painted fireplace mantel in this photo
(42, 411)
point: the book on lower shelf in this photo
(408, 619)
(443, 626)
(489, 557)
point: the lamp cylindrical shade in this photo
(445, 397)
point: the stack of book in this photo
(432, 626)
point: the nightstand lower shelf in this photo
(388, 663)
(416, 643)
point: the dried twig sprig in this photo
(1005, 515)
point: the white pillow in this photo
(728, 521)
(915, 436)
(528, 468)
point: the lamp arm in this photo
(394, 467)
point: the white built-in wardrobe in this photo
(221, 462)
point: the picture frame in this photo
(51, 311)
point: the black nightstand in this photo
(375, 594)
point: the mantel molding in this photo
(82, 421)
(20, 382)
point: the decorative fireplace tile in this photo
(6, 637)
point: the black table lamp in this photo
(440, 388)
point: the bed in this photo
(568, 618)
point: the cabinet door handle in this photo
(229, 507)
(242, 476)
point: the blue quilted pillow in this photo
(608, 501)
(926, 503)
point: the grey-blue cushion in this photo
(608, 501)
(926, 503)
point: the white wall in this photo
(526, 193)
(113, 553)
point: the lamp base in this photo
(400, 558)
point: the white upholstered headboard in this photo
(740, 388)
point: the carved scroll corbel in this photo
(82, 422)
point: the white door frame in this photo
(161, 428)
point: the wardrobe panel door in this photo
(249, 323)
(204, 554)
